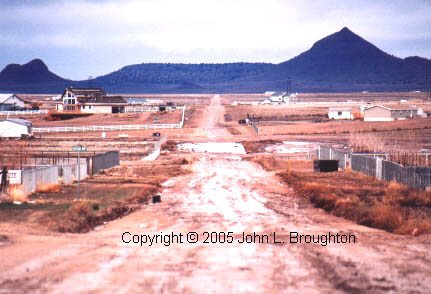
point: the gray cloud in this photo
(92, 37)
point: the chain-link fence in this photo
(329, 153)
(105, 161)
(69, 173)
(413, 176)
(33, 178)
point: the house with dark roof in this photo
(389, 112)
(89, 100)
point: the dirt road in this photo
(223, 194)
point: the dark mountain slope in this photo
(184, 73)
(35, 71)
(346, 57)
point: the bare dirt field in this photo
(304, 232)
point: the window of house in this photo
(340, 113)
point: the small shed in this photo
(340, 113)
(15, 128)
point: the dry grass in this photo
(346, 127)
(49, 188)
(17, 194)
(270, 163)
(83, 216)
(368, 201)
(143, 195)
(234, 131)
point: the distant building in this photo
(10, 102)
(282, 97)
(278, 97)
(340, 113)
(90, 100)
(15, 128)
(389, 113)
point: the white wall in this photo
(10, 129)
(335, 115)
(378, 119)
(87, 108)
(102, 109)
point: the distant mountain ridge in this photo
(33, 72)
(342, 61)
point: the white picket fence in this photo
(110, 127)
(26, 112)
(140, 108)
(106, 128)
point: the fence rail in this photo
(137, 108)
(22, 112)
(157, 148)
(106, 128)
(376, 165)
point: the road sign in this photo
(79, 148)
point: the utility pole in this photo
(79, 174)
(79, 149)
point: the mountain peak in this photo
(345, 30)
(36, 63)
(34, 71)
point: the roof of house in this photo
(277, 94)
(86, 91)
(394, 107)
(18, 121)
(102, 100)
(5, 97)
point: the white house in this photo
(15, 128)
(282, 97)
(10, 102)
(340, 113)
(278, 97)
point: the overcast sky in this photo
(83, 38)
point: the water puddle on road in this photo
(291, 147)
(225, 147)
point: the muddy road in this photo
(222, 195)
(154, 250)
